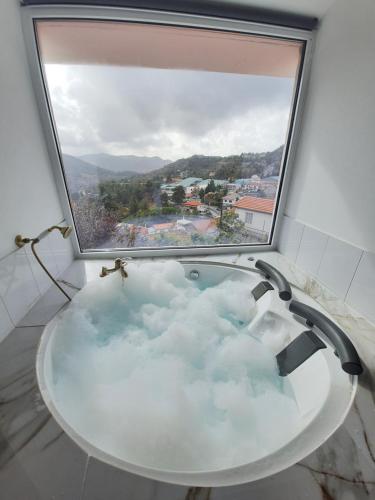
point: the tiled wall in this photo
(348, 271)
(23, 282)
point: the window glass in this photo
(165, 132)
(249, 217)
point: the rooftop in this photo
(272, 178)
(192, 203)
(189, 181)
(263, 205)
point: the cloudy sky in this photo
(167, 113)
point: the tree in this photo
(210, 188)
(94, 223)
(164, 200)
(231, 229)
(133, 205)
(201, 194)
(209, 198)
(178, 195)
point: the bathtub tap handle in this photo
(119, 266)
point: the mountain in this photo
(224, 167)
(82, 175)
(137, 164)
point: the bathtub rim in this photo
(239, 474)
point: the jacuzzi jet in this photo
(194, 275)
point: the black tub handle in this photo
(344, 348)
(285, 292)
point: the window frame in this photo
(31, 14)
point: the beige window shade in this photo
(154, 46)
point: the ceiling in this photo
(315, 8)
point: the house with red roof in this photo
(256, 214)
(192, 204)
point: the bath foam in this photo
(163, 374)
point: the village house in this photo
(218, 183)
(188, 184)
(230, 199)
(268, 185)
(256, 214)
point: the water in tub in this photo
(164, 373)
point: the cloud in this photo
(169, 113)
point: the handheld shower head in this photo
(20, 241)
(65, 231)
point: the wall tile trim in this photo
(348, 271)
(23, 282)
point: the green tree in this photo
(231, 229)
(133, 205)
(164, 200)
(201, 194)
(94, 223)
(210, 188)
(178, 195)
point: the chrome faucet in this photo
(119, 266)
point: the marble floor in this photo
(38, 461)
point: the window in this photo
(156, 124)
(249, 217)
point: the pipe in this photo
(33, 243)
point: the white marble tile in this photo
(6, 324)
(49, 460)
(18, 287)
(294, 483)
(311, 250)
(361, 293)
(338, 265)
(46, 308)
(106, 482)
(290, 237)
(37, 460)
(44, 251)
(62, 250)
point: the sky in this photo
(167, 113)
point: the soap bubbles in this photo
(165, 374)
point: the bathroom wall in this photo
(28, 196)
(329, 228)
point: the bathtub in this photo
(323, 392)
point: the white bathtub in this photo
(323, 391)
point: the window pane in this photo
(169, 136)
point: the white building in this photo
(256, 214)
(230, 199)
(218, 183)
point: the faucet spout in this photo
(119, 266)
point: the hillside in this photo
(224, 167)
(126, 163)
(82, 175)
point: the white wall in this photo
(260, 222)
(28, 196)
(333, 182)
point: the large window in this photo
(169, 136)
